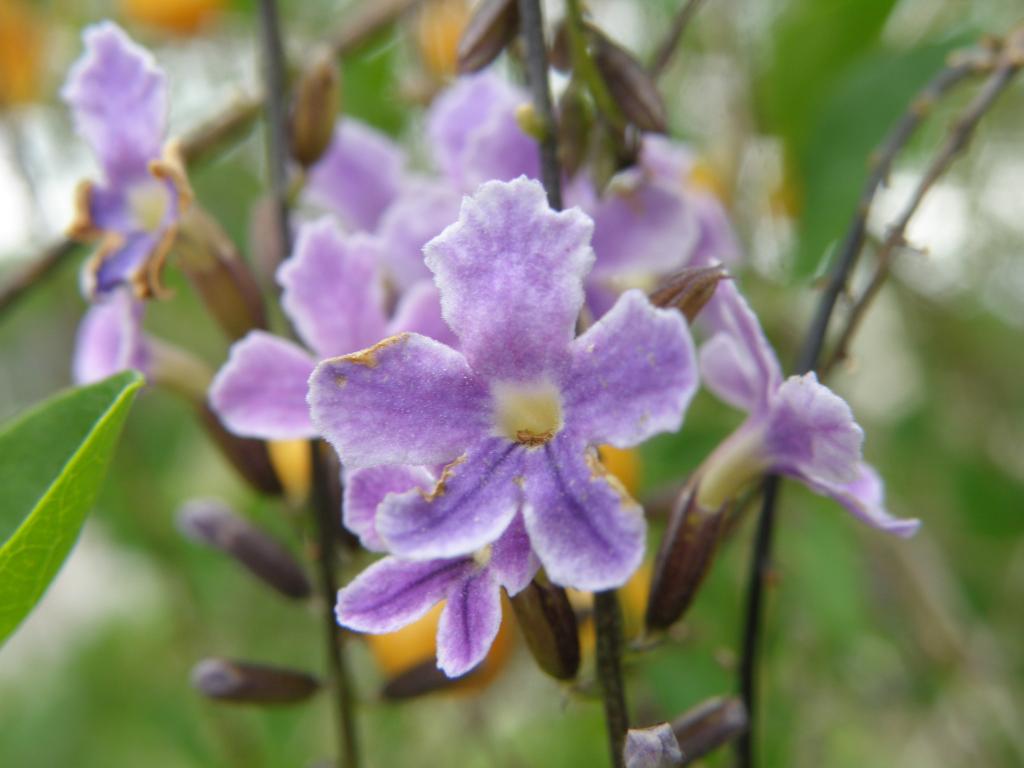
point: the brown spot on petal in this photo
(368, 356)
(441, 487)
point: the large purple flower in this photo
(394, 592)
(517, 413)
(332, 293)
(796, 427)
(118, 98)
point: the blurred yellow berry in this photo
(21, 53)
(180, 17)
(291, 460)
(438, 29)
(624, 463)
(706, 177)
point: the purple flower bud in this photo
(653, 747)
(709, 725)
(241, 682)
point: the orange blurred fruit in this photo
(21, 53)
(180, 17)
(438, 29)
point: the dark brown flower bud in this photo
(240, 682)
(684, 558)
(213, 523)
(315, 109)
(419, 680)
(548, 623)
(493, 25)
(689, 290)
(222, 279)
(247, 455)
(629, 84)
(708, 726)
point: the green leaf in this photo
(52, 462)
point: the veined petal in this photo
(810, 433)
(261, 390)
(366, 488)
(633, 374)
(358, 176)
(474, 133)
(741, 369)
(864, 498)
(110, 339)
(510, 273)
(332, 291)
(469, 623)
(512, 560)
(118, 98)
(406, 400)
(418, 215)
(392, 593)
(473, 502)
(419, 311)
(583, 526)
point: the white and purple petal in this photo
(358, 176)
(261, 389)
(110, 339)
(633, 374)
(392, 593)
(469, 623)
(366, 488)
(583, 526)
(419, 311)
(118, 98)
(331, 289)
(512, 560)
(864, 498)
(474, 501)
(407, 400)
(510, 273)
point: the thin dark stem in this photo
(328, 535)
(275, 107)
(669, 46)
(196, 145)
(959, 68)
(531, 26)
(608, 625)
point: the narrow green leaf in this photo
(52, 462)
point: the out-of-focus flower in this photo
(332, 293)
(654, 747)
(393, 593)
(22, 43)
(517, 414)
(118, 98)
(796, 426)
(110, 339)
(181, 17)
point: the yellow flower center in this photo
(149, 202)
(530, 414)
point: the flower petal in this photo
(366, 488)
(586, 531)
(419, 311)
(810, 433)
(392, 593)
(407, 400)
(469, 623)
(419, 214)
(512, 560)
(510, 273)
(110, 339)
(475, 135)
(473, 502)
(358, 176)
(261, 390)
(864, 498)
(654, 747)
(739, 366)
(118, 98)
(332, 292)
(121, 265)
(633, 374)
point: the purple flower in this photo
(118, 98)
(110, 339)
(796, 427)
(394, 592)
(517, 413)
(332, 293)
(653, 747)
